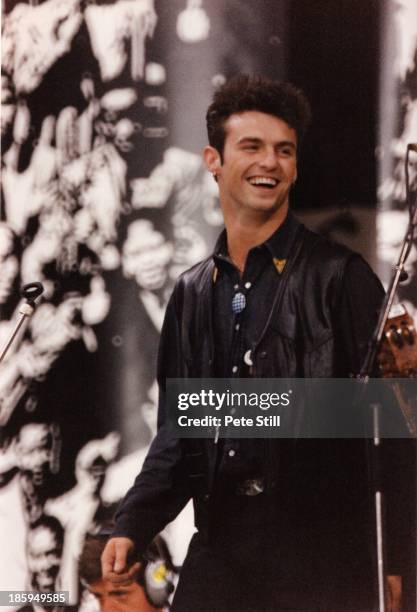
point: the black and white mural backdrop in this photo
(105, 201)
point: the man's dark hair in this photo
(256, 93)
(52, 524)
(89, 565)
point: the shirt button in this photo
(232, 452)
(237, 326)
(236, 287)
(248, 285)
(234, 369)
(263, 354)
(206, 497)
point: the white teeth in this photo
(263, 180)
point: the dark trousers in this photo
(244, 577)
(257, 575)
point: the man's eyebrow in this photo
(249, 139)
(255, 140)
(120, 590)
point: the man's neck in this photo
(244, 233)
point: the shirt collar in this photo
(278, 245)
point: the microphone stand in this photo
(30, 293)
(367, 369)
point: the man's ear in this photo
(212, 160)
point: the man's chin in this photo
(45, 586)
(265, 205)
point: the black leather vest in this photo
(299, 339)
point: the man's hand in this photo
(114, 561)
(394, 588)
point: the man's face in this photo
(44, 558)
(34, 450)
(113, 598)
(259, 164)
(146, 255)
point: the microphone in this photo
(31, 291)
(412, 146)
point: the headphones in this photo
(157, 574)
(158, 583)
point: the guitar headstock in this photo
(398, 354)
(397, 358)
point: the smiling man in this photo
(45, 543)
(255, 173)
(282, 524)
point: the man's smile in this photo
(267, 182)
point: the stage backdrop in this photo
(105, 201)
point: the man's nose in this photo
(269, 159)
(108, 604)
